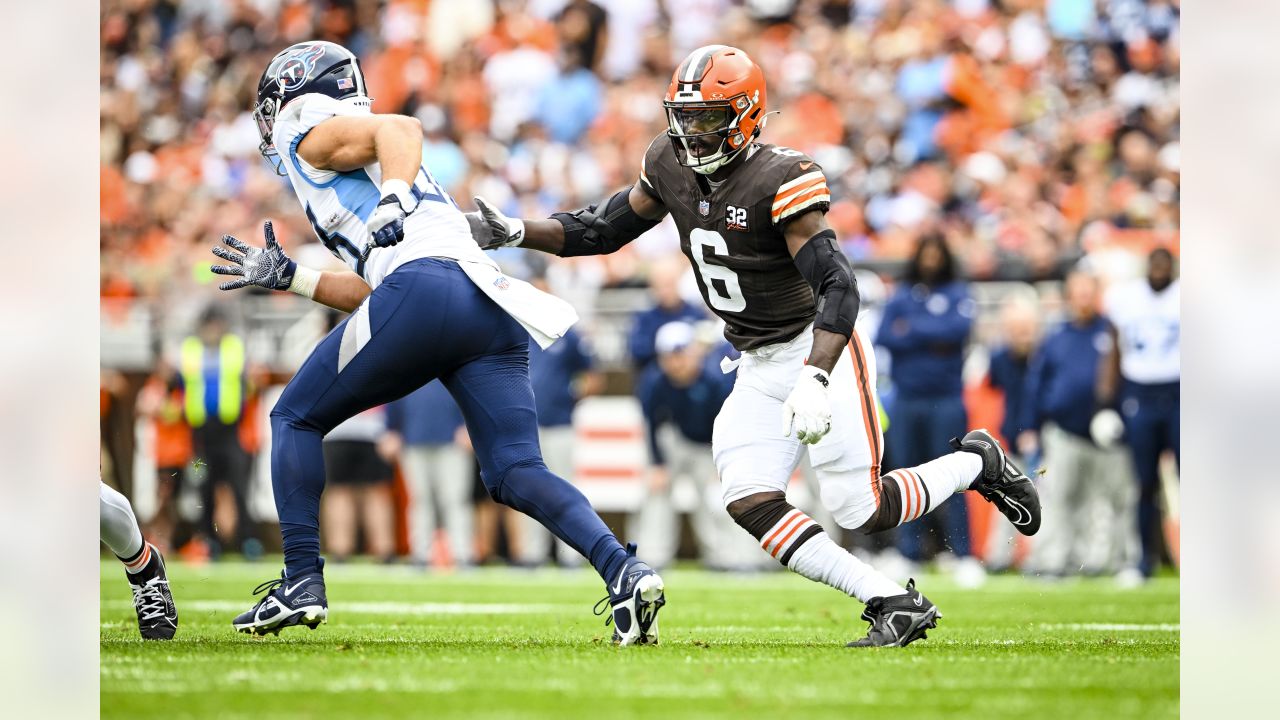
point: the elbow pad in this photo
(602, 229)
(834, 289)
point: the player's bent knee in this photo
(888, 513)
(511, 485)
(848, 497)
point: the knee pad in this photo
(849, 496)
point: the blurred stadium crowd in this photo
(1015, 137)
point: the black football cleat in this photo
(288, 602)
(1001, 482)
(635, 597)
(157, 615)
(898, 620)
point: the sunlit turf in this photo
(500, 643)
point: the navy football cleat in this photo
(288, 602)
(157, 615)
(1002, 483)
(635, 596)
(898, 620)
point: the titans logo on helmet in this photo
(298, 68)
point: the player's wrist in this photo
(305, 281)
(402, 193)
(817, 375)
(515, 231)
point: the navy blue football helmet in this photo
(308, 67)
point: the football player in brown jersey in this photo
(752, 221)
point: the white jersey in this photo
(1149, 326)
(339, 204)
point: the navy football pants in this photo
(426, 320)
(1152, 425)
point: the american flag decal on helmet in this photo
(345, 83)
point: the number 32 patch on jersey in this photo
(735, 218)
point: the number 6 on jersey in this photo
(731, 299)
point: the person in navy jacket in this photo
(668, 306)
(925, 329)
(1087, 490)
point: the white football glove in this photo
(386, 224)
(807, 409)
(491, 229)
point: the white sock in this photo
(119, 528)
(821, 560)
(925, 487)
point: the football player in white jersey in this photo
(1142, 375)
(426, 303)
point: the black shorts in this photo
(354, 462)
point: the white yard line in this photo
(1114, 627)
(377, 608)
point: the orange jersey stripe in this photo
(801, 199)
(781, 198)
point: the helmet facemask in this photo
(265, 115)
(707, 133)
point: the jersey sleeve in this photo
(803, 187)
(651, 162)
(298, 118)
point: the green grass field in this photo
(503, 643)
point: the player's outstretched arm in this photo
(594, 230)
(346, 143)
(272, 269)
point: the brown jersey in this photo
(733, 236)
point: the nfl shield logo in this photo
(704, 207)
(501, 283)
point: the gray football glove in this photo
(491, 229)
(266, 267)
